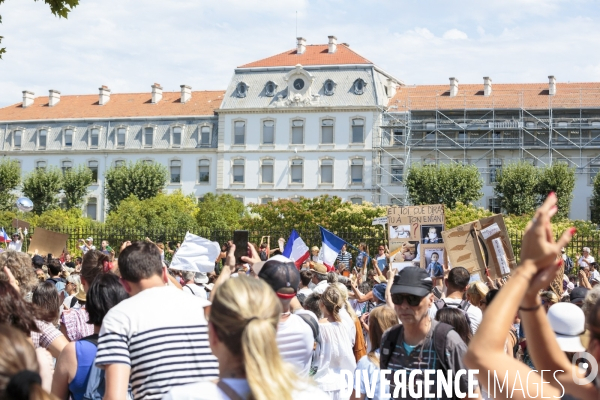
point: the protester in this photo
(457, 284)
(380, 320)
(20, 265)
(244, 317)
(311, 303)
(194, 283)
(351, 322)
(77, 358)
(314, 254)
(549, 299)
(568, 263)
(336, 350)
(411, 345)
(305, 279)
(17, 241)
(54, 270)
(476, 294)
(132, 346)
(46, 297)
(455, 318)
(87, 245)
(382, 258)
(578, 295)
(344, 259)
(72, 289)
(21, 374)
(106, 249)
(319, 278)
(362, 258)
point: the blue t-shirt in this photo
(360, 258)
(364, 364)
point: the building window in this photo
(175, 171)
(240, 199)
(241, 89)
(148, 136)
(270, 89)
(356, 200)
(94, 134)
(40, 165)
(358, 130)
(42, 138)
(397, 171)
(495, 167)
(238, 171)
(297, 132)
(327, 171)
(92, 208)
(121, 137)
(296, 173)
(66, 166)
(17, 138)
(398, 138)
(356, 170)
(147, 162)
(327, 131)
(239, 135)
(203, 171)
(359, 86)
(266, 200)
(397, 202)
(176, 136)
(93, 166)
(266, 172)
(119, 163)
(594, 169)
(494, 205)
(329, 87)
(268, 132)
(68, 138)
(205, 136)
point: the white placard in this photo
(380, 221)
(196, 254)
(399, 266)
(501, 256)
(490, 230)
(474, 278)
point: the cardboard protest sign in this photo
(20, 224)
(195, 254)
(480, 244)
(48, 242)
(414, 230)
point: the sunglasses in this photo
(411, 299)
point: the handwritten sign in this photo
(380, 221)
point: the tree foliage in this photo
(42, 186)
(516, 188)
(595, 201)
(164, 212)
(558, 178)
(444, 184)
(75, 183)
(10, 178)
(60, 8)
(220, 211)
(142, 180)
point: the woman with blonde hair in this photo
(476, 294)
(19, 369)
(242, 327)
(335, 354)
(350, 319)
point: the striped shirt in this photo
(344, 258)
(161, 333)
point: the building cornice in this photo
(287, 110)
(162, 117)
(120, 152)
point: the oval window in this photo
(298, 84)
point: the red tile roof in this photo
(512, 95)
(120, 105)
(313, 55)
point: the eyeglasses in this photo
(411, 299)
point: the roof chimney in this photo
(487, 86)
(453, 87)
(332, 44)
(27, 98)
(104, 95)
(156, 93)
(301, 45)
(552, 87)
(53, 97)
(186, 93)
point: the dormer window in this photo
(359, 86)
(42, 138)
(17, 138)
(148, 136)
(94, 134)
(205, 136)
(241, 90)
(68, 138)
(270, 89)
(176, 136)
(121, 137)
(329, 87)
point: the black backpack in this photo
(463, 306)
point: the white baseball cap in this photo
(568, 323)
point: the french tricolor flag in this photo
(4, 238)
(296, 250)
(332, 245)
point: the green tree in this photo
(10, 178)
(444, 184)
(164, 212)
(516, 187)
(595, 201)
(75, 184)
(42, 186)
(60, 8)
(143, 180)
(558, 178)
(220, 211)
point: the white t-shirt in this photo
(321, 287)
(15, 245)
(305, 291)
(335, 356)
(196, 290)
(295, 343)
(349, 324)
(588, 260)
(475, 314)
(164, 343)
(210, 391)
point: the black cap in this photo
(37, 260)
(281, 273)
(412, 280)
(578, 294)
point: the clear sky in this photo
(130, 44)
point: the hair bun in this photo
(19, 385)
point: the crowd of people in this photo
(130, 327)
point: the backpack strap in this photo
(73, 302)
(440, 335)
(389, 345)
(439, 304)
(464, 305)
(93, 339)
(229, 392)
